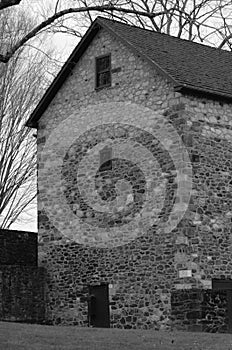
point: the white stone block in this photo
(185, 273)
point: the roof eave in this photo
(73, 59)
(62, 75)
(78, 52)
(141, 54)
(206, 92)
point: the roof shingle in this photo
(188, 65)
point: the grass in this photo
(35, 337)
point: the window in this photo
(195, 158)
(106, 159)
(103, 71)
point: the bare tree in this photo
(22, 72)
(208, 21)
(7, 3)
(21, 85)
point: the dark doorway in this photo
(98, 307)
(225, 285)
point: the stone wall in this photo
(18, 248)
(22, 288)
(22, 294)
(147, 262)
(200, 310)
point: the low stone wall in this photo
(200, 310)
(18, 248)
(22, 294)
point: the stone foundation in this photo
(200, 310)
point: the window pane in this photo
(103, 73)
(104, 79)
(103, 63)
(106, 159)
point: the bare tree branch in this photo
(6, 57)
(7, 3)
(224, 41)
(21, 86)
(57, 4)
(190, 19)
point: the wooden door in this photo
(98, 307)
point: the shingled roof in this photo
(189, 66)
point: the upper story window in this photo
(106, 159)
(103, 71)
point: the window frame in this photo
(106, 151)
(97, 73)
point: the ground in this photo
(17, 336)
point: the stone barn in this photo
(134, 181)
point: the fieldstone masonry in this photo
(22, 288)
(200, 310)
(148, 267)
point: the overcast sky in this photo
(63, 45)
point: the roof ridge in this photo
(138, 51)
(163, 34)
(189, 67)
